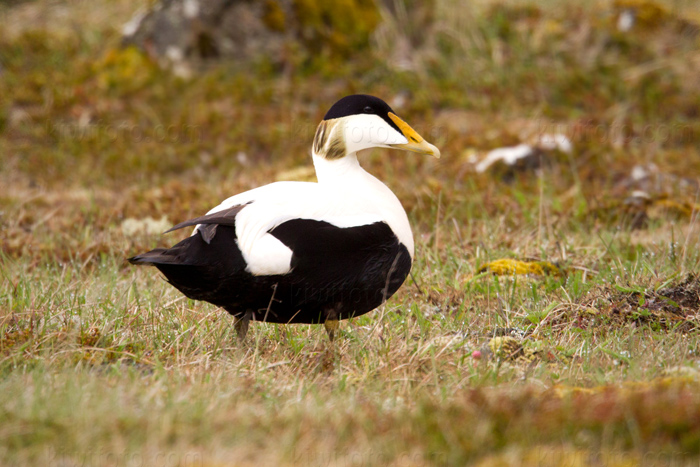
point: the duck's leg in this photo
(332, 324)
(241, 325)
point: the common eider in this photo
(303, 252)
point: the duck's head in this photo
(360, 122)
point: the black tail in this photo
(155, 257)
(197, 268)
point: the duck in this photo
(305, 252)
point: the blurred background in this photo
(114, 110)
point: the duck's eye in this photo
(368, 110)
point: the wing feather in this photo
(225, 217)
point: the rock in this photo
(182, 33)
(523, 157)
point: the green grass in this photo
(104, 363)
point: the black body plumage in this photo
(346, 271)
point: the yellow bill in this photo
(416, 143)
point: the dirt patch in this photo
(672, 308)
(668, 308)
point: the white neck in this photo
(366, 191)
(337, 170)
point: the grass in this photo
(103, 363)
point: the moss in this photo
(509, 267)
(339, 27)
(125, 69)
(273, 16)
(648, 13)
